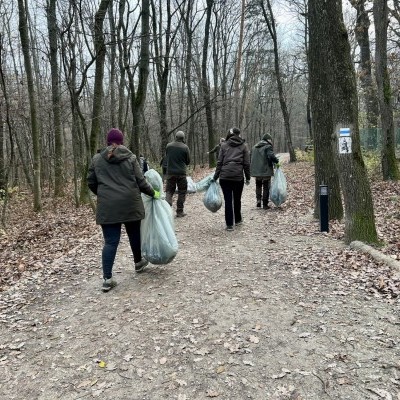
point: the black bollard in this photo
(323, 208)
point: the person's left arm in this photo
(220, 161)
(187, 156)
(246, 162)
(141, 181)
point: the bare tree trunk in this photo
(140, 98)
(321, 108)
(163, 40)
(80, 136)
(188, 68)
(123, 64)
(100, 50)
(390, 168)
(367, 84)
(270, 21)
(24, 36)
(58, 138)
(113, 59)
(238, 67)
(359, 212)
(3, 181)
(204, 76)
(5, 121)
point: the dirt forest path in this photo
(256, 313)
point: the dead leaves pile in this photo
(33, 241)
(376, 278)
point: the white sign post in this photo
(344, 141)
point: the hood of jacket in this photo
(263, 143)
(115, 155)
(235, 141)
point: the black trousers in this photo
(263, 186)
(176, 182)
(232, 191)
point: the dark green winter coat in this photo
(262, 159)
(178, 158)
(117, 180)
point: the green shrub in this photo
(372, 160)
(304, 155)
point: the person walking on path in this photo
(261, 168)
(163, 165)
(232, 167)
(177, 158)
(217, 148)
(144, 165)
(116, 178)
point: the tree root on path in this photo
(376, 254)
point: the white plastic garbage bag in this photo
(212, 197)
(278, 192)
(191, 186)
(204, 184)
(159, 243)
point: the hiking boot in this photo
(108, 284)
(141, 265)
(229, 228)
(258, 204)
(265, 205)
(180, 214)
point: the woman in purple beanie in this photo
(116, 178)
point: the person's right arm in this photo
(92, 178)
(213, 150)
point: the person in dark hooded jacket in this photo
(232, 167)
(261, 168)
(116, 178)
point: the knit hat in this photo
(267, 137)
(180, 135)
(233, 131)
(114, 136)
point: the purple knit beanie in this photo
(114, 136)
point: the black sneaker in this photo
(266, 207)
(108, 284)
(258, 204)
(239, 223)
(141, 265)
(229, 228)
(180, 214)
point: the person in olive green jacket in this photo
(217, 148)
(177, 157)
(261, 167)
(116, 178)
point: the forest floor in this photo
(274, 310)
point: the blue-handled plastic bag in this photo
(278, 192)
(204, 184)
(212, 197)
(159, 243)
